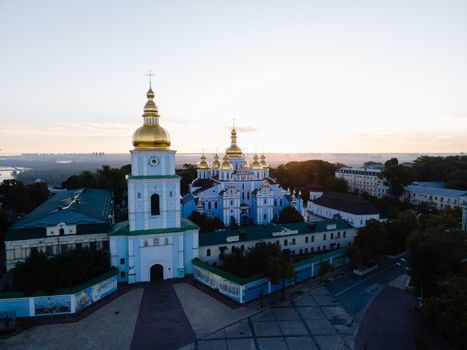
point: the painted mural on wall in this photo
(92, 294)
(216, 282)
(55, 304)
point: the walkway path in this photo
(161, 323)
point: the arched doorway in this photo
(157, 272)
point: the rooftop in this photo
(123, 229)
(374, 171)
(436, 191)
(345, 202)
(74, 207)
(262, 232)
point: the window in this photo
(208, 252)
(49, 250)
(242, 248)
(285, 242)
(280, 202)
(324, 237)
(155, 209)
(215, 205)
(62, 231)
(344, 234)
(248, 195)
(139, 195)
(122, 261)
(338, 235)
(122, 274)
(306, 239)
(332, 235)
(275, 202)
(265, 216)
(243, 196)
(265, 201)
(312, 238)
(170, 194)
(209, 205)
(293, 240)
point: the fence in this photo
(243, 290)
(66, 301)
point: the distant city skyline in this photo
(301, 77)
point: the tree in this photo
(289, 215)
(433, 253)
(280, 268)
(397, 175)
(371, 240)
(399, 229)
(206, 224)
(187, 173)
(448, 309)
(324, 269)
(334, 184)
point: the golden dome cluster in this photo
(233, 150)
(151, 136)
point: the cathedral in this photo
(237, 191)
(158, 241)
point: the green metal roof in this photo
(262, 232)
(123, 229)
(154, 177)
(82, 207)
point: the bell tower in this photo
(153, 187)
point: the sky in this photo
(298, 76)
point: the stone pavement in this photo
(110, 327)
(313, 320)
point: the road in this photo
(355, 293)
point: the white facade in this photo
(363, 180)
(155, 243)
(356, 220)
(18, 251)
(297, 243)
(441, 198)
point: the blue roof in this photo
(436, 191)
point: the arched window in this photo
(155, 207)
(62, 231)
(208, 252)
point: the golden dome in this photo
(151, 136)
(216, 163)
(203, 164)
(256, 165)
(234, 151)
(245, 165)
(226, 165)
(264, 163)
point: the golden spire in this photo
(234, 151)
(256, 165)
(203, 164)
(151, 136)
(264, 163)
(226, 165)
(216, 163)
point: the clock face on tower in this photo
(153, 161)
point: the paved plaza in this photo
(313, 320)
(176, 314)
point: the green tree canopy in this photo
(289, 215)
(334, 184)
(206, 224)
(187, 173)
(398, 176)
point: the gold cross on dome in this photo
(150, 75)
(233, 122)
